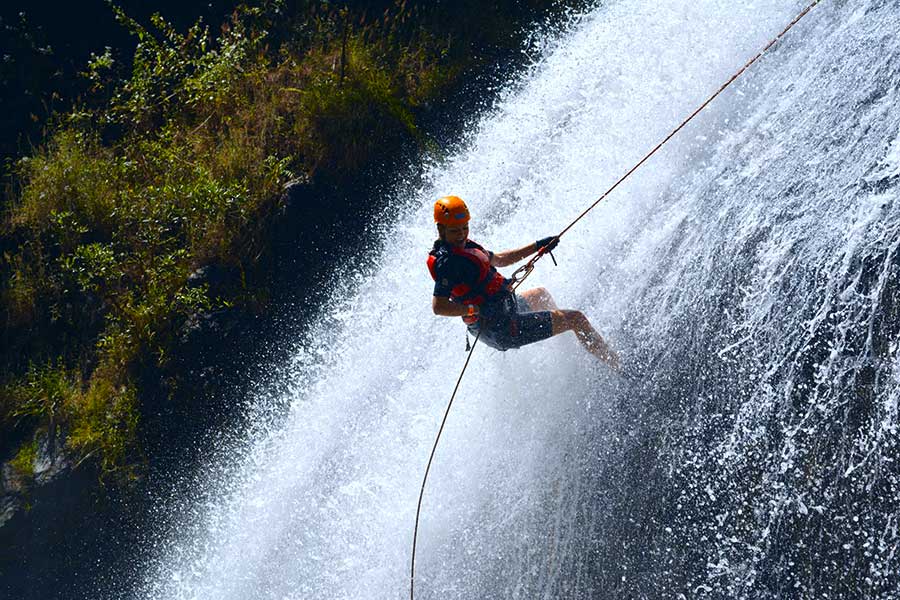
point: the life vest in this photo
(491, 285)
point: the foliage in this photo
(99, 420)
(104, 421)
(180, 164)
(23, 462)
(44, 392)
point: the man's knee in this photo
(541, 294)
(560, 321)
(546, 299)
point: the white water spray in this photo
(538, 488)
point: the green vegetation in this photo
(180, 163)
(101, 419)
(23, 462)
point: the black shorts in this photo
(515, 329)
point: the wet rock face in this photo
(50, 462)
(10, 494)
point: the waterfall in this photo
(748, 275)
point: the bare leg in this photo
(593, 342)
(539, 299)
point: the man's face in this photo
(456, 235)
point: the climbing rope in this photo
(412, 567)
(525, 270)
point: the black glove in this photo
(547, 244)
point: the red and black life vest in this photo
(490, 284)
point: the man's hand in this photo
(547, 244)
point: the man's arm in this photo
(503, 259)
(442, 306)
(510, 257)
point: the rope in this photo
(525, 270)
(412, 565)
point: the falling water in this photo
(748, 274)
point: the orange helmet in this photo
(451, 210)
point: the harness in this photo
(490, 285)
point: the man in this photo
(468, 285)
